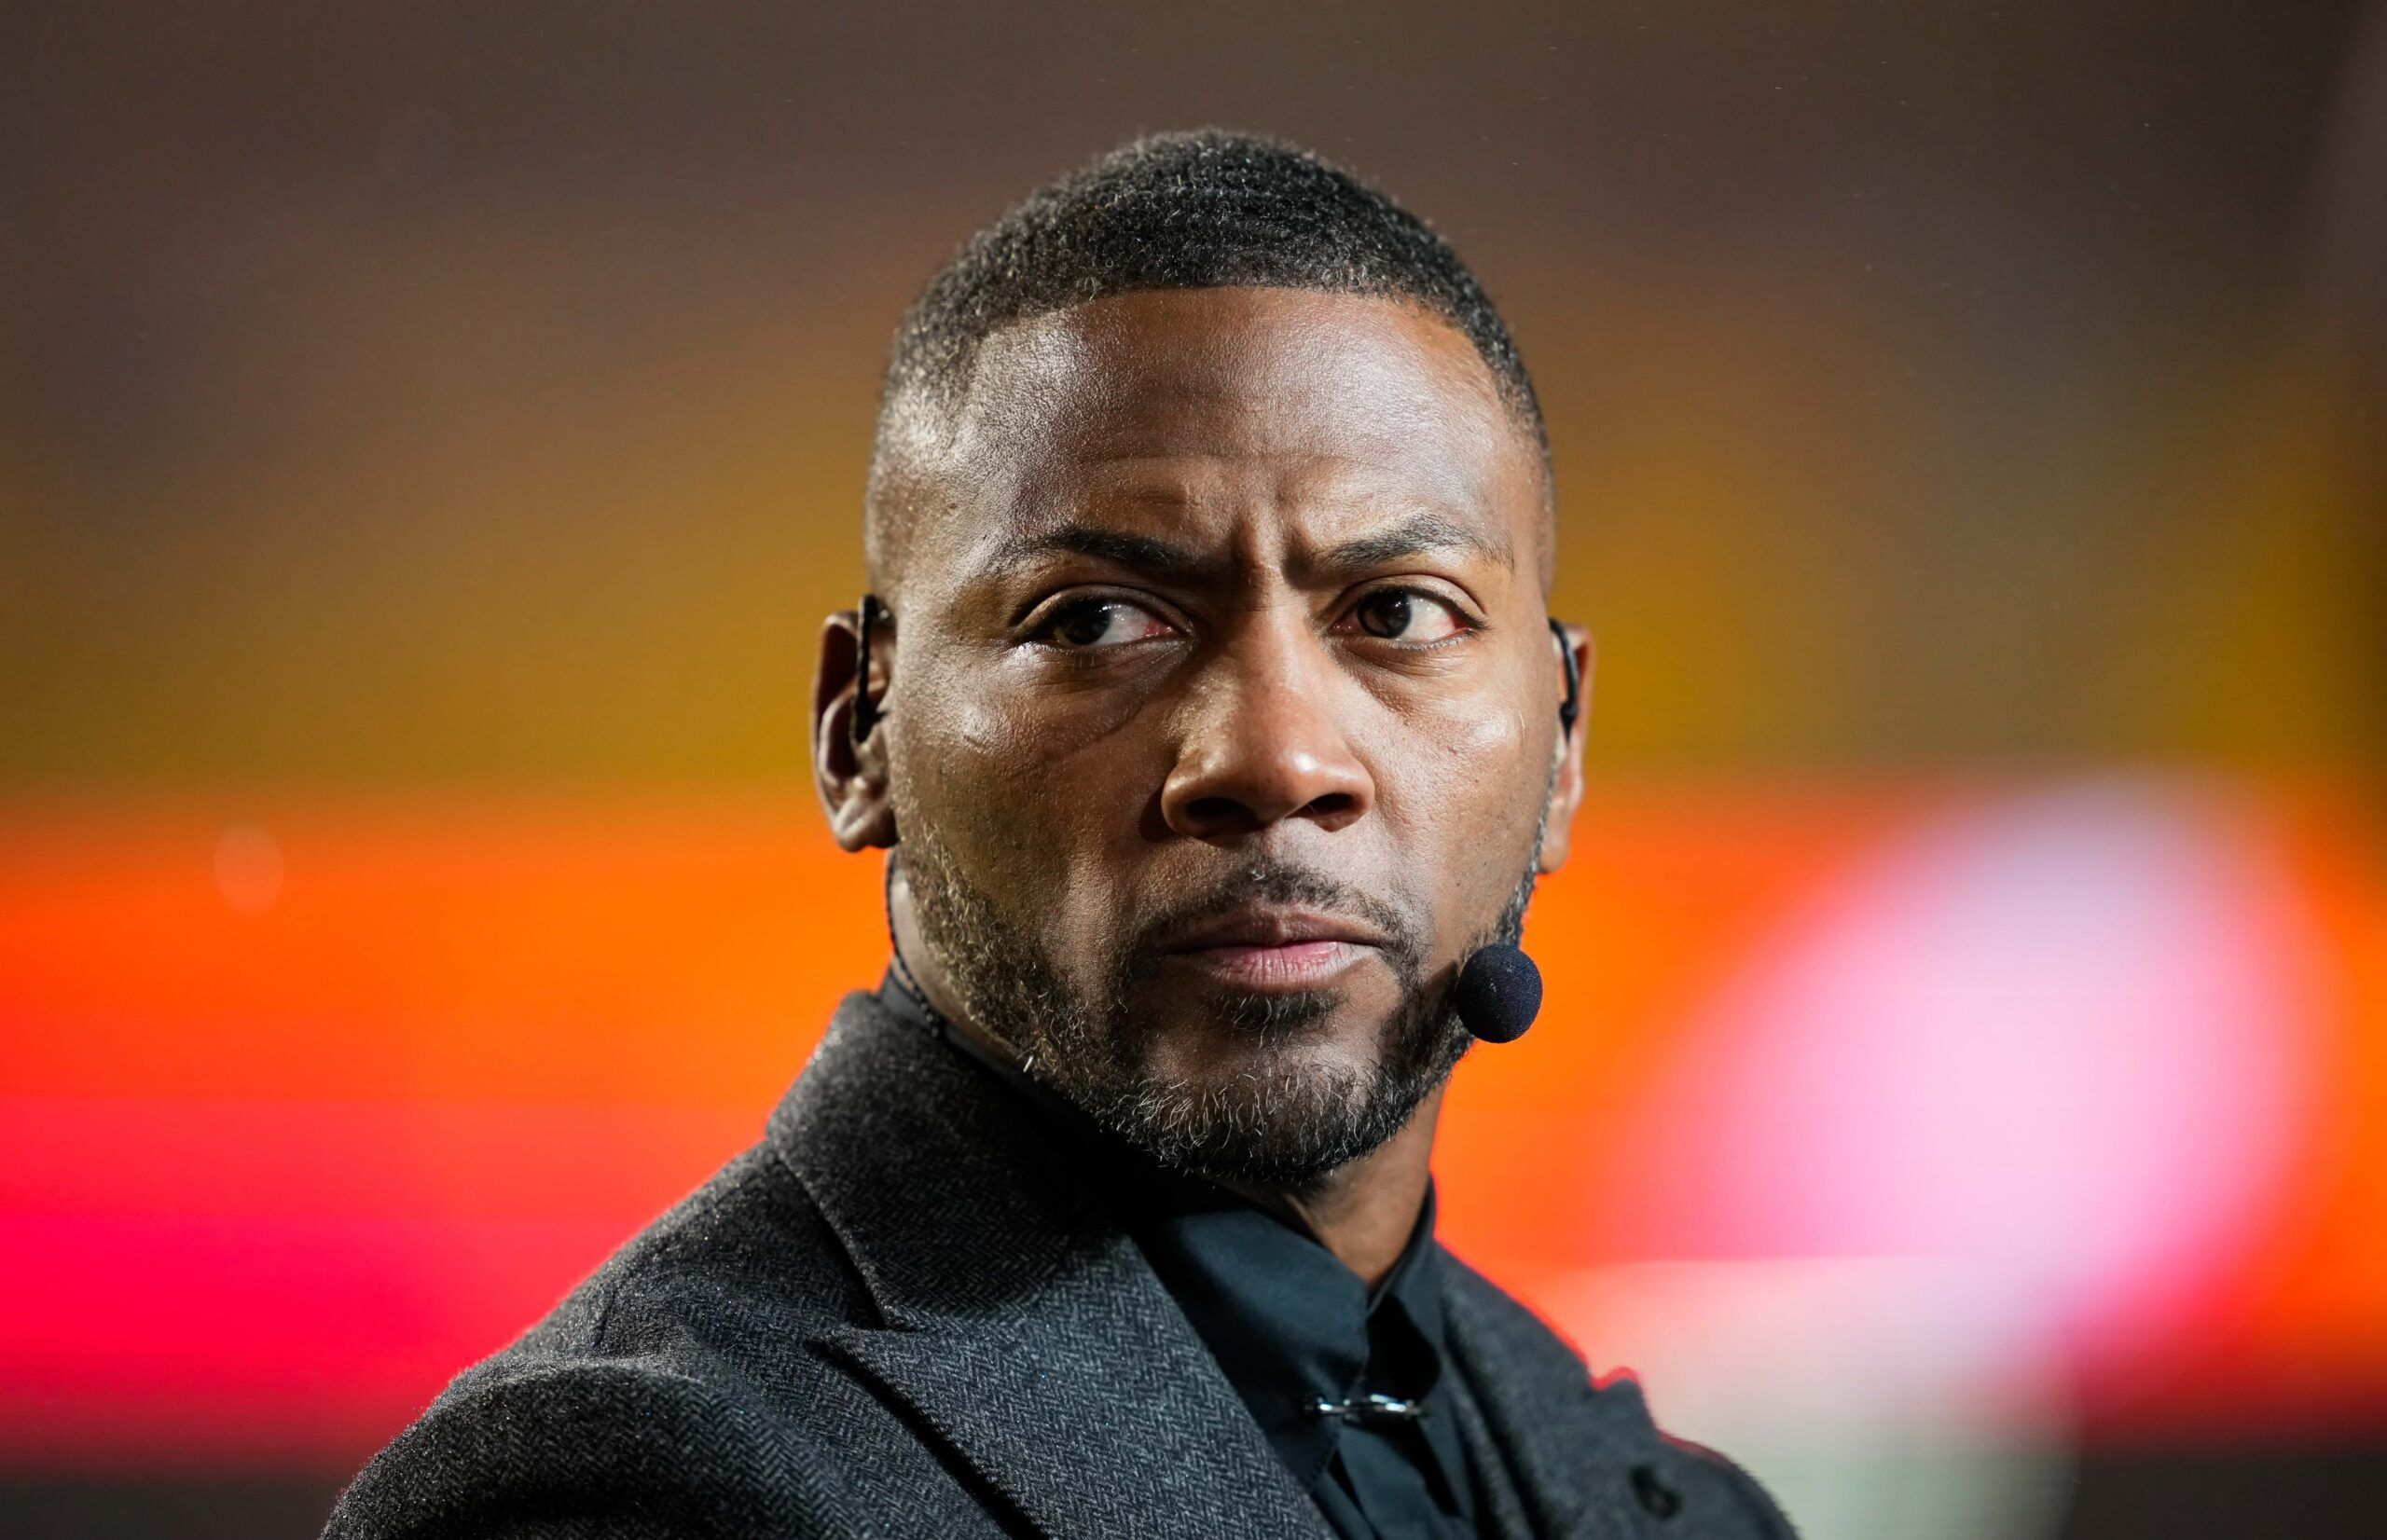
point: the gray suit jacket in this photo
(895, 1317)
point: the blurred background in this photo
(430, 435)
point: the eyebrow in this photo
(1411, 536)
(1137, 553)
(1161, 558)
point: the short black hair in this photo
(1203, 209)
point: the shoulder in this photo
(521, 1448)
(746, 1262)
(1546, 1381)
(1708, 1477)
(656, 1389)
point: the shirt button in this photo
(1655, 1495)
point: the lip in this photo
(1265, 948)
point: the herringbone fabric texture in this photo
(908, 1313)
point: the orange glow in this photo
(307, 1104)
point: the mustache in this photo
(1274, 881)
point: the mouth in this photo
(1267, 950)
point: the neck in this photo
(1362, 1211)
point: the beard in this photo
(1277, 1121)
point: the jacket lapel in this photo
(1018, 1325)
(1500, 1508)
(1131, 1435)
(1567, 1445)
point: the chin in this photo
(1276, 1121)
(1214, 1095)
(1226, 1036)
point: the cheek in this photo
(1027, 800)
(1463, 790)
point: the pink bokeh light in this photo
(2067, 1040)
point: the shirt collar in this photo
(1291, 1325)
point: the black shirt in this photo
(1351, 1387)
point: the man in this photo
(1206, 704)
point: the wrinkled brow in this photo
(1144, 554)
(1160, 558)
(1413, 536)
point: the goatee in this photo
(1282, 1121)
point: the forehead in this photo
(1201, 405)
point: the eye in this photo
(1408, 614)
(1095, 623)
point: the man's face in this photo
(1221, 722)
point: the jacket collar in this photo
(1570, 1444)
(1018, 1321)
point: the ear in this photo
(1567, 786)
(851, 778)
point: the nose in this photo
(1262, 741)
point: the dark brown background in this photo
(466, 391)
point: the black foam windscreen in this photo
(1499, 994)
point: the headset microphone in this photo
(1499, 994)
